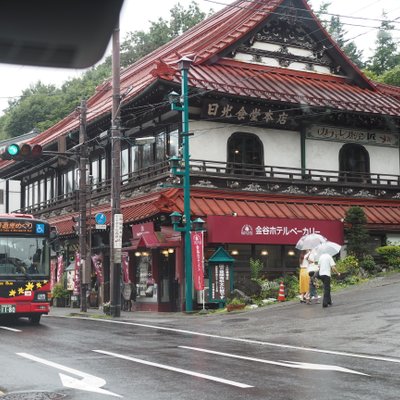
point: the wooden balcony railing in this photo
(234, 176)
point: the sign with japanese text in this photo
(125, 266)
(253, 230)
(53, 277)
(220, 286)
(24, 226)
(97, 260)
(197, 242)
(60, 268)
(77, 276)
(247, 113)
(376, 138)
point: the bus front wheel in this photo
(35, 319)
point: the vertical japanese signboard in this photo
(197, 259)
(220, 268)
(118, 223)
(220, 286)
(77, 277)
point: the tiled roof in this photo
(207, 41)
(379, 213)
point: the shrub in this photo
(390, 254)
(256, 267)
(291, 283)
(268, 288)
(368, 264)
(59, 292)
(235, 301)
(348, 265)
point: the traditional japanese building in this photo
(286, 133)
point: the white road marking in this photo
(180, 370)
(89, 383)
(6, 328)
(249, 341)
(287, 364)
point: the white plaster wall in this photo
(283, 148)
(209, 142)
(324, 155)
(383, 160)
(14, 196)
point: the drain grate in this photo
(33, 396)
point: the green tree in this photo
(356, 232)
(139, 43)
(37, 108)
(386, 56)
(336, 30)
(391, 77)
(41, 106)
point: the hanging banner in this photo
(53, 276)
(97, 260)
(197, 241)
(77, 276)
(60, 268)
(125, 266)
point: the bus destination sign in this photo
(24, 226)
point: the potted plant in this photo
(59, 295)
(235, 304)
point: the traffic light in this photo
(22, 152)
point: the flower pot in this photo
(235, 307)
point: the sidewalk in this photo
(173, 318)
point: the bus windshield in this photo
(23, 256)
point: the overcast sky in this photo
(14, 79)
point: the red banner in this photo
(97, 260)
(77, 276)
(53, 277)
(60, 268)
(125, 267)
(197, 241)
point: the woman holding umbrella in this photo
(304, 279)
(306, 243)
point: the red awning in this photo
(148, 240)
(382, 214)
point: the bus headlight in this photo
(41, 296)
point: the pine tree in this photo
(386, 56)
(336, 30)
(356, 232)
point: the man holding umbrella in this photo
(326, 265)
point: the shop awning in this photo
(382, 214)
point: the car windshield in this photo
(23, 255)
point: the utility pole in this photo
(84, 270)
(116, 216)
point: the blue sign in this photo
(40, 229)
(100, 218)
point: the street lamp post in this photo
(184, 65)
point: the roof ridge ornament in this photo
(163, 70)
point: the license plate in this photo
(7, 308)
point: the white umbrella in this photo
(328, 247)
(310, 241)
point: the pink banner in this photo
(60, 268)
(53, 276)
(197, 241)
(97, 260)
(77, 276)
(125, 267)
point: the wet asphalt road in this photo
(282, 352)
